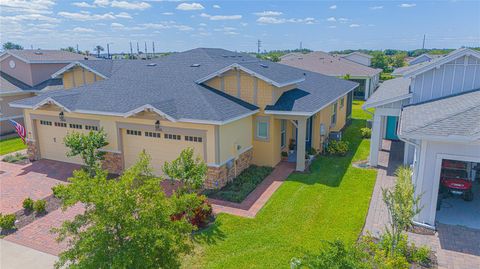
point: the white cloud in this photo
(227, 30)
(24, 6)
(407, 5)
(243, 24)
(331, 19)
(86, 16)
(221, 17)
(376, 7)
(102, 3)
(83, 4)
(188, 7)
(354, 25)
(82, 30)
(130, 5)
(27, 17)
(167, 13)
(270, 20)
(333, 7)
(268, 13)
(117, 25)
(202, 24)
(216, 6)
(343, 20)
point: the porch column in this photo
(367, 88)
(301, 137)
(375, 139)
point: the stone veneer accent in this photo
(33, 151)
(113, 162)
(218, 177)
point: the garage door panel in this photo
(51, 143)
(160, 149)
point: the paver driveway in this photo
(34, 180)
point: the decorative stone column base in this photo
(113, 162)
(32, 151)
(218, 177)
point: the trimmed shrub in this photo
(28, 204)
(13, 158)
(366, 132)
(7, 222)
(196, 209)
(338, 147)
(40, 206)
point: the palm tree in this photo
(69, 49)
(98, 49)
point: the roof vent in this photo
(38, 52)
(264, 65)
(152, 64)
(195, 65)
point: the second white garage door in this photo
(160, 146)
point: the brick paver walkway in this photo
(259, 197)
(34, 180)
(456, 247)
(37, 234)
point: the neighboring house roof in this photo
(453, 117)
(11, 84)
(170, 86)
(102, 68)
(45, 56)
(389, 91)
(430, 56)
(327, 64)
(356, 53)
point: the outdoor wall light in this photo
(157, 125)
(61, 116)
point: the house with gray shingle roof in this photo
(233, 109)
(433, 108)
(25, 73)
(338, 66)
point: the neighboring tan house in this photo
(25, 73)
(336, 66)
(358, 57)
(232, 109)
(434, 108)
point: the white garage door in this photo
(159, 145)
(50, 136)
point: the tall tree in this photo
(88, 147)
(98, 49)
(69, 48)
(398, 60)
(11, 46)
(127, 222)
(379, 60)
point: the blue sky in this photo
(237, 25)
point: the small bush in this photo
(7, 222)
(366, 132)
(338, 147)
(311, 151)
(198, 208)
(28, 204)
(421, 255)
(40, 206)
(284, 154)
(14, 158)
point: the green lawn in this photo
(331, 202)
(11, 145)
(359, 113)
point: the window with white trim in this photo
(61, 124)
(283, 133)
(91, 127)
(46, 122)
(134, 132)
(75, 126)
(261, 130)
(334, 114)
(172, 136)
(153, 134)
(193, 138)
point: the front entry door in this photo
(308, 134)
(391, 132)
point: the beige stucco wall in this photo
(78, 76)
(232, 134)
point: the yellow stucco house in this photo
(233, 109)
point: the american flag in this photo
(20, 130)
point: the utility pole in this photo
(108, 50)
(301, 47)
(153, 49)
(131, 50)
(77, 49)
(259, 45)
(138, 49)
(146, 53)
(423, 45)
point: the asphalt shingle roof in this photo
(327, 64)
(39, 56)
(389, 90)
(457, 115)
(9, 83)
(169, 85)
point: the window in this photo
(45, 122)
(342, 102)
(134, 132)
(61, 124)
(172, 136)
(193, 138)
(153, 134)
(262, 126)
(283, 133)
(75, 126)
(91, 127)
(334, 114)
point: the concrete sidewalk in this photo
(14, 256)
